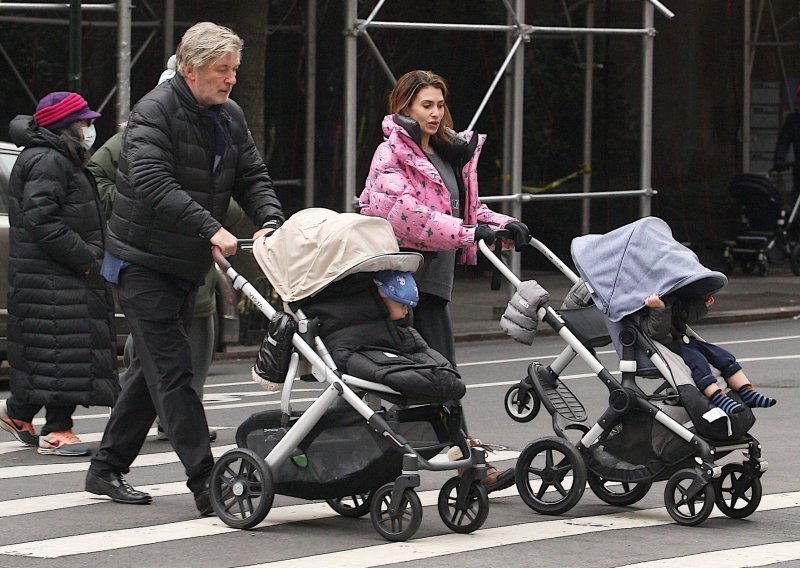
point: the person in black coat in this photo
(185, 152)
(62, 349)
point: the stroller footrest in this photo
(556, 399)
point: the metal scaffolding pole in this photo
(350, 99)
(518, 103)
(588, 97)
(646, 167)
(311, 98)
(168, 29)
(75, 45)
(747, 69)
(123, 60)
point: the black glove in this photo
(519, 234)
(779, 166)
(484, 233)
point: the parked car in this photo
(227, 317)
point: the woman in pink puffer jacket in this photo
(424, 181)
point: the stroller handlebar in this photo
(219, 258)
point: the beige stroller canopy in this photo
(317, 246)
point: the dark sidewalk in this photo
(476, 309)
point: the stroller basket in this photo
(340, 456)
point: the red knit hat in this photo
(60, 109)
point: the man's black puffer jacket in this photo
(61, 341)
(170, 198)
(355, 326)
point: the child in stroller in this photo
(667, 319)
(394, 354)
(671, 433)
(361, 443)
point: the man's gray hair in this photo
(204, 43)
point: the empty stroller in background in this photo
(360, 445)
(671, 433)
(766, 233)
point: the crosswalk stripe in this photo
(15, 446)
(42, 503)
(443, 545)
(357, 558)
(744, 557)
(27, 505)
(160, 458)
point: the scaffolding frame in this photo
(750, 43)
(517, 33)
(166, 25)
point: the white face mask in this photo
(89, 136)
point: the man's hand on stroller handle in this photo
(225, 241)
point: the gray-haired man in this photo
(185, 152)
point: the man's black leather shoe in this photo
(202, 501)
(114, 485)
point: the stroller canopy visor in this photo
(628, 264)
(316, 246)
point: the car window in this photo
(6, 163)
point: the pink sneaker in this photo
(63, 443)
(22, 431)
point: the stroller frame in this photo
(692, 488)
(241, 485)
(754, 249)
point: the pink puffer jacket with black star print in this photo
(405, 188)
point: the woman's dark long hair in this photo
(406, 90)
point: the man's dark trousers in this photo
(158, 308)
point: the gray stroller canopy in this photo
(317, 246)
(628, 264)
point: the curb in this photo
(738, 316)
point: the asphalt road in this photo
(49, 521)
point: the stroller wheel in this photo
(241, 488)
(621, 493)
(748, 265)
(738, 493)
(469, 516)
(727, 265)
(794, 260)
(543, 479)
(399, 523)
(688, 497)
(352, 506)
(522, 404)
